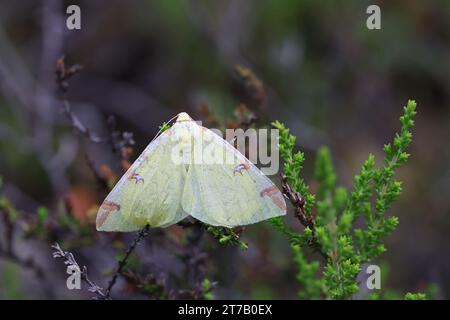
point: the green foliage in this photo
(226, 236)
(206, 289)
(307, 275)
(415, 296)
(153, 289)
(384, 188)
(164, 126)
(341, 269)
(37, 228)
(294, 237)
(42, 214)
(343, 246)
(293, 164)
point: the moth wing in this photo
(231, 193)
(148, 193)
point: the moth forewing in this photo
(216, 195)
(148, 193)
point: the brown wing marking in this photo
(240, 167)
(136, 176)
(272, 192)
(108, 207)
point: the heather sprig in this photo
(333, 211)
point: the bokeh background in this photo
(328, 77)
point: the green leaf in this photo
(42, 214)
(164, 126)
(226, 236)
(312, 287)
(324, 173)
(343, 246)
(293, 165)
(415, 296)
(206, 289)
(293, 236)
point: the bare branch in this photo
(120, 141)
(141, 235)
(69, 260)
(298, 202)
(62, 75)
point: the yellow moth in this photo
(170, 181)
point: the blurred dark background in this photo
(328, 77)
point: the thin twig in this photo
(78, 125)
(307, 220)
(70, 261)
(142, 234)
(120, 141)
(298, 202)
(63, 73)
